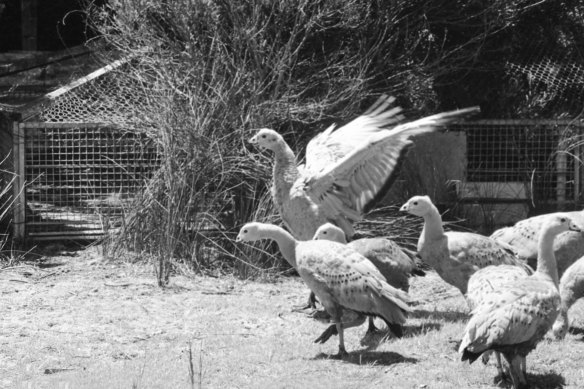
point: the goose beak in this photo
(404, 208)
(253, 140)
(575, 227)
(238, 239)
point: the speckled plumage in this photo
(347, 169)
(514, 316)
(571, 290)
(340, 277)
(568, 246)
(391, 261)
(455, 255)
(387, 256)
(488, 280)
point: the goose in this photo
(568, 246)
(488, 280)
(393, 263)
(347, 170)
(571, 290)
(341, 278)
(514, 318)
(455, 255)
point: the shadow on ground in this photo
(539, 381)
(448, 316)
(384, 358)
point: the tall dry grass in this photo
(205, 73)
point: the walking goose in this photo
(568, 246)
(393, 263)
(347, 170)
(488, 280)
(513, 318)
(341, 278)
(455, 255)
(571, 290)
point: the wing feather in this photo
(373, 162)
(331, 145)
(512, 315)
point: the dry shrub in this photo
(207, 72)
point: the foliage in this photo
(207, 72)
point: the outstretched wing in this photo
(330, 146)
(350, 185)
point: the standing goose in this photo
(568, 246)
(455, 255)
(571, 289)
(393, 263)
(488, 280)
(341, 278)
(515, 317)
(347, 170)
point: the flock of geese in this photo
(510, 280)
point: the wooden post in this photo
(561, 169)
(577, 173)
(19, 210)
(29, 20)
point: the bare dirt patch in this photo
(81, 322)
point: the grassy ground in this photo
(80, 322)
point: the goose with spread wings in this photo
(347, 169)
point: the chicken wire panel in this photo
(80, 179)
(108, 95)
(546, 155)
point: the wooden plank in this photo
(491, 190)
(19, 216)
(518, 122)
(561, 167)
(88, 125)
(577, 172)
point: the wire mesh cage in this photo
(81, 178)
(518, 167)
(80, 158)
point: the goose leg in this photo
(516, 371)
(502, 375)
(371, 330)
(499, 364)
(310, 304)
(349, 319)
(342, 351)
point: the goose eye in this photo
(415, 203)
(324, 232)
(264, 136)
(245, 231)
(563, 220)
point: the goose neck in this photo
(546, 259)
(285, 167)
(433, 228)
(285, 241)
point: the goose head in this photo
(329, 231)
(266, 138)
(250, 232)
(561, 223)
(417, 205)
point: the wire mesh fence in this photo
(544, 154)
(80, 179)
